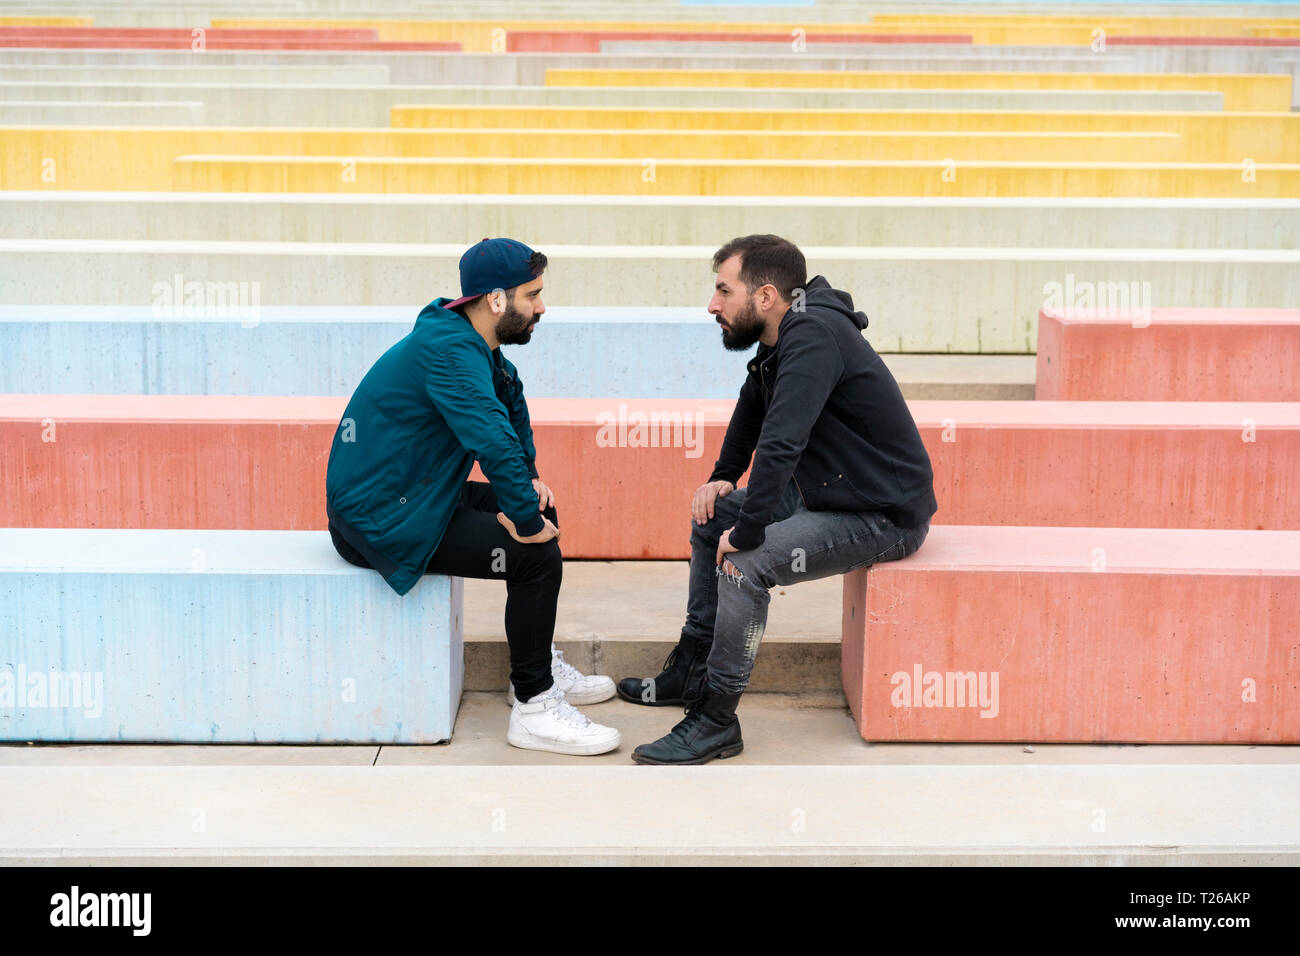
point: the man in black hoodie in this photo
(840, 480)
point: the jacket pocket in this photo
(834, 493)
(390, 510)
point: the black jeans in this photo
(477, 546)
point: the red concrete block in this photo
(1121, 464)
(156, 461)
(1213, 355)
(624, 472)
(589, 41)
(1078, 635)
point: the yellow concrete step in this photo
(693, 177)
(1230, 137)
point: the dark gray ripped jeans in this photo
(730, 611)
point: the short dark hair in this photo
(766, 259)
(536, 265)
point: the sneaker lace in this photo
(566, 670)
(568, 714)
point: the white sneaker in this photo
(549, 722)
(578, 688)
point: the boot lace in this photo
(684, 727)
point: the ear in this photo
(497, 300)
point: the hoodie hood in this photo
(819, 294)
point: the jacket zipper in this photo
(763, 380)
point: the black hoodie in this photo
(821, 407)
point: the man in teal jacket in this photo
(398, 499)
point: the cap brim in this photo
(463, 299)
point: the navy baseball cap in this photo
(492, 264)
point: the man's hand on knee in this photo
(545, 497)
(725, 547)
(548, 531)
(706, 496)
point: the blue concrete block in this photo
(184, 636)
(584, 352)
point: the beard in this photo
(514, 328)
(745, 329)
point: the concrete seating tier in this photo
(1123, 635)
(164, 461)
(1215, 355)
(253, 350)
(939, 299)
(810, 221)
(1244, 92)
(210, 636)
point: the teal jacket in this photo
(428, 408)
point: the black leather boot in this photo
(679, 683)
(709, 730)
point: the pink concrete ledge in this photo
(624, 471)
(1195, 355)
(1078, 635)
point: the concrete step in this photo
(114, 74)
(218, 636)
(1095, 634)
(667, 220)
(624, 471)
(622, 618)
(415, 144)
(1239, 135)
(218, 172)
(1153, 58)
(810, 729)
(529, 69)
(1205, 355)
(232, 101)
(111, 158)
(805, 790)
(1242, 91)
(918, 299)
(98, 112)
(652, 353)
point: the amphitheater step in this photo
(218, 636)
(1078, 634)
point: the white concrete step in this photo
(805, 790)
(1097, 815)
